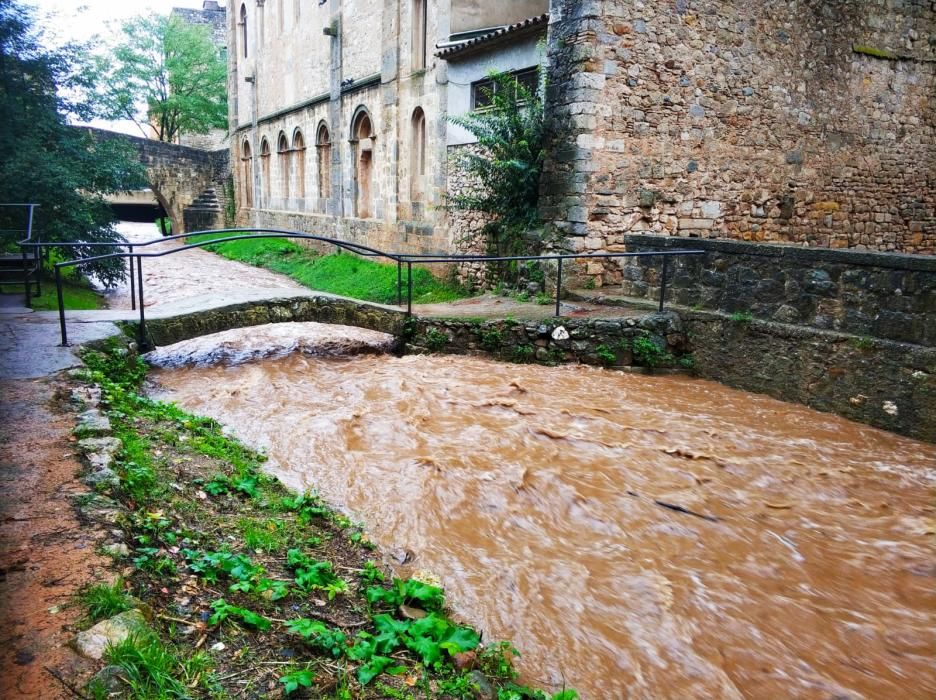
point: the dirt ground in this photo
(45, 555)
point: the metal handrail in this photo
(408, 259)
(37, 252)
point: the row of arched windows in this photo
(291, 164)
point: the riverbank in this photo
(250, 589)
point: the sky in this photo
(79, 20)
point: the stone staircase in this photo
(206, 211)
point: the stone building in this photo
(807, 122)
(338, 109)
(213, 16)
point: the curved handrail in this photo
(136, 285)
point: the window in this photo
(247, 174)
(282, 148)
(419, 34)
(265, 170)
(482, 90)
(362, 145)
(323, 158)
(243, 25)
(418, 156)
(299, 153)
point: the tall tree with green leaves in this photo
(166, 74)
(504, 168)
(65, 170)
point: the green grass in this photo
(152, 670)
(76, 297)
(344, 274)
(102, 601)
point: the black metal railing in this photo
(31, 265)
(135, 260)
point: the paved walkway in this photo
(197, 280)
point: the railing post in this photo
(558, 285)
(141, 335)
(132, 281)
(409, 287)
(663, 282)
(399, 282)
(61, 305)
(27, 278)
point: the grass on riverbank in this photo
(76, 297)
(344, 274)
(257, 591)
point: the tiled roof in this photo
(481, 42)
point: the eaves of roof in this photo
(477, 44)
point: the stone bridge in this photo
(203, 315)
(189, 183)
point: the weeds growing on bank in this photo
(258, 591)
(339, 273)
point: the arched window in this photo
(265, 170)
(282, 149)
(419, 34)
(247, 173)
(362, 147)
(323, 162)
(243, 27)
(298, 147)
(418, 156)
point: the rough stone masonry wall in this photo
(792, 121)
(867, 294)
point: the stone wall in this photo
(879, 295)
(606, 342)
(887, 384)
(802, 121)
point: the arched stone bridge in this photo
(200, 316)
(188, 183)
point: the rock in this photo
(93, 422)
(101, 479)
(533, 288)
(93, 642)
(99, 508)
(786, 314)
(116, 549)
(560, 333)
(109, 679)
(484, 689)
(411, 613)
(100, 445)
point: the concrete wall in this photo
(470, 15)
(803, 121)
(524, 53)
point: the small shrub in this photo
(648, 353)
(435, 339)
(864, 343)
(491, 338)
(687, 362)
(741, 317)
(102, 601)
(523, 354)
(605, 355)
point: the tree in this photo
(166, 74)
(505, 167)
(46, 161)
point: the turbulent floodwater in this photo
(544, 497)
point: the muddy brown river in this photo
(635, 537)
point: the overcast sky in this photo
(78, 20)
(65, 20)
